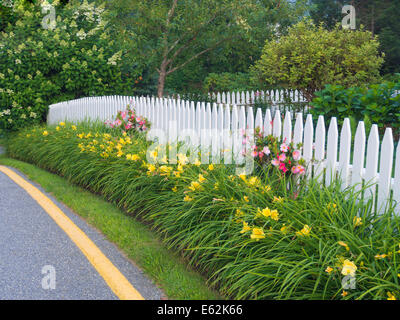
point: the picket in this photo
(358, 157)
(331, 154)
(385, 170)
(344, 153)
(219, 129)
(319, 149)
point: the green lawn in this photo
(139, 243)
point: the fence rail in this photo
(328, 151)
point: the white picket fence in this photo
(218, 126)
(247, 98)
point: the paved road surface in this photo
(30, 240)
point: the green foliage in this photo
(379, 104)
(310, 57)
(185, 40)
(227, 82)
(379, 17)
(251, 236)
(74, 57)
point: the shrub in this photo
(251, 236)
(309, 57)
(379, 103)
(228, 82)
(74, 57)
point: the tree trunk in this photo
(162, 74)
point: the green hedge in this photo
(250, 236)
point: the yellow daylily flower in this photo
(349, 268)
(257, 234)
(245, 227)
(305, 231)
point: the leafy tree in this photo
(310, 57)
(169, 34)
(74, 57)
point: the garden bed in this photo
(251, 236)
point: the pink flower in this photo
(301, 169)
(284, 147)
(282, 167)
(254, 147)
(282, 157)
(296, 155)
(295, 170)
(254, 154)
(266, 151)
(260, 155)
(275, 162)
(245, 141)
(128, 126)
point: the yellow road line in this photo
(113, 277)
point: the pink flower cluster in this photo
(128, 121)
(283, 156)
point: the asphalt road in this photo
(33, 248)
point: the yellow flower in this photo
(268, 213)
(62, 124)
(328, 269)
(151, 169)
(182, 159)
(73, 127)
(243, 177)
(267, 188)
(80, 136)
(120, 154)
(357, 221)
(305, 231)
(187, 199)
(201, 178)
(381, 256)
(195, 186)
(135, 157)
(331, 206)
(278, 199)
(344, 293)
(58, 128)
(197, 162)
(349, 268)
(154, 154)
(128, 157)
(246, 198)
(344, 244)
(175, 189)
(257, 234)
(165, 170)
(245, 227)
(211, 167)
(284, 229)
(391, 296)
(254, 181)
(239, 213)
(45, 133)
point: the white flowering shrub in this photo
(46, 59)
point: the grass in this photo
(136, 240)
